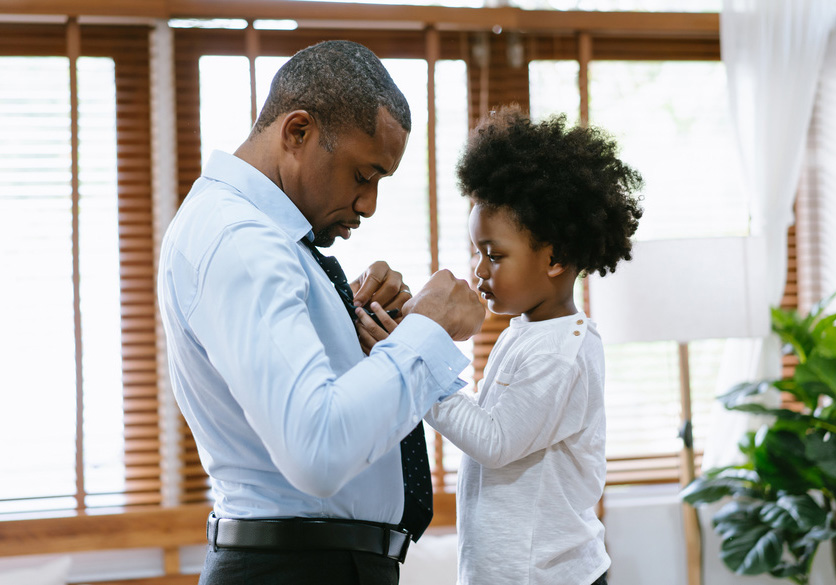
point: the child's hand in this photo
(369, 332)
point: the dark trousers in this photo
(602, 580)
(227, 566)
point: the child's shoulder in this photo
(560, 339)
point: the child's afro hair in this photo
(566, 186)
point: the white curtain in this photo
(815, 211)
(773, 51)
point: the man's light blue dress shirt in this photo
(290, 417)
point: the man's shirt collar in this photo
(252, 185)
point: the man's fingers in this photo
(382, 284)
(370, 282)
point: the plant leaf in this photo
(752, 552)
(827, 412)
(777, 517)
(821, 533)
(799, 391)
(822, 369)
(781, 463)
(820, 448)
(746, 445)
(749, 546)
(794, 331)
(786, 570)
(823, 327)
(826, 334)
(761, 409)
(715, 484)
(797, 422)
(737, 393)
(806, 514)
(735, 513)
(820, 306)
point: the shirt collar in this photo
(252, 185)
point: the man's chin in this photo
(325, 238)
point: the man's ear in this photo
(297, 130)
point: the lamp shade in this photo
(683, 290)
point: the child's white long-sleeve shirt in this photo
(534, 466)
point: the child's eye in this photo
(494, 257)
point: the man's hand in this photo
(451, 303)
(381, 284)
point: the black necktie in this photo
(418, 492)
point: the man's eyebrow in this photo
(380, 169)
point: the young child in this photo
(550, 204)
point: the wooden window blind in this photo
(104, 192)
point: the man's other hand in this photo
(451, 303)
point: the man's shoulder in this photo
(215, 212)
(215, 206)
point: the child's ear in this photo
(555, 268)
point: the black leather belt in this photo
(296, 534)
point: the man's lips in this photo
(344, 229)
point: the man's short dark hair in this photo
(341, 84)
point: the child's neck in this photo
(551, 309)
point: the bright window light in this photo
(229, 23)
(284, 24)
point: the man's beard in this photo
(325, 238)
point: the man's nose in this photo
(366, 203)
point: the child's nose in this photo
(480, 268)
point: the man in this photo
(298, 430)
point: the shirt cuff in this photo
(437, 349)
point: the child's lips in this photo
(486, 293)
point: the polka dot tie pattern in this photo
(418, 493)
(417, 484)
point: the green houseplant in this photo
(781, 499)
